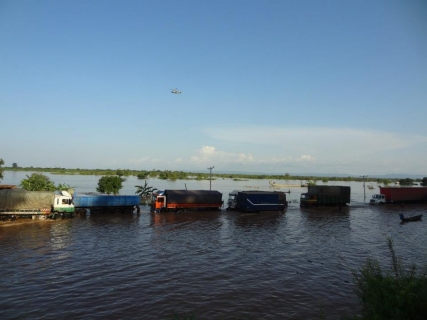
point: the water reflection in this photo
(102, 219)
(182, 217)
(267, 219)
(60, 239)
(326, 215)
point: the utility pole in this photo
(210, 177)
(364, 192)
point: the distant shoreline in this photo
(188, 175)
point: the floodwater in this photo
(216, 265)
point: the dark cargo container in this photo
(172, 200)
(193, 196)
(317, 196)
(254, 201)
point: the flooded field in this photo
(217, 265)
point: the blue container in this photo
(255, 201)
(88, 201)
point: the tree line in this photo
(183, 175)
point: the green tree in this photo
(37, 182)
(386, 182)
(406, 182)
(144, 192)
(110, 184)
(143, 175)
(1, 170)
(311, 183)
(14, 165)
(169, 175)
(65, 187)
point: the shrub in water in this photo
(396, 294)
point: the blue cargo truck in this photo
(255, 201)
(105, 203)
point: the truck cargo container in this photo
(101, 203)
(20, 203)
(322, 196)
(255, 201)
(400, 195)
(175, 200)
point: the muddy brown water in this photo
(217, 265)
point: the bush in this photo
(406, 182)
(397, 294)
(144, 192)
(110, 184)
(37, 182)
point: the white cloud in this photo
(146, 161)
(305, 158)
(318, 149)
(300, 150)
(347, 142)
(209, 154)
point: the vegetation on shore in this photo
(398, 293)
(181, 175)
(40, 182)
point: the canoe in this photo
(413, 218)
(277, 185)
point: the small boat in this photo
(277, 185)
(413, 218)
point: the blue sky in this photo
(268, 86)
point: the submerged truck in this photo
(323, 196)
(20, 203)
(400, 195)
(100, 203)
(175, 200)
(256, 201)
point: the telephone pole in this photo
(364, 192)
(210, 177)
